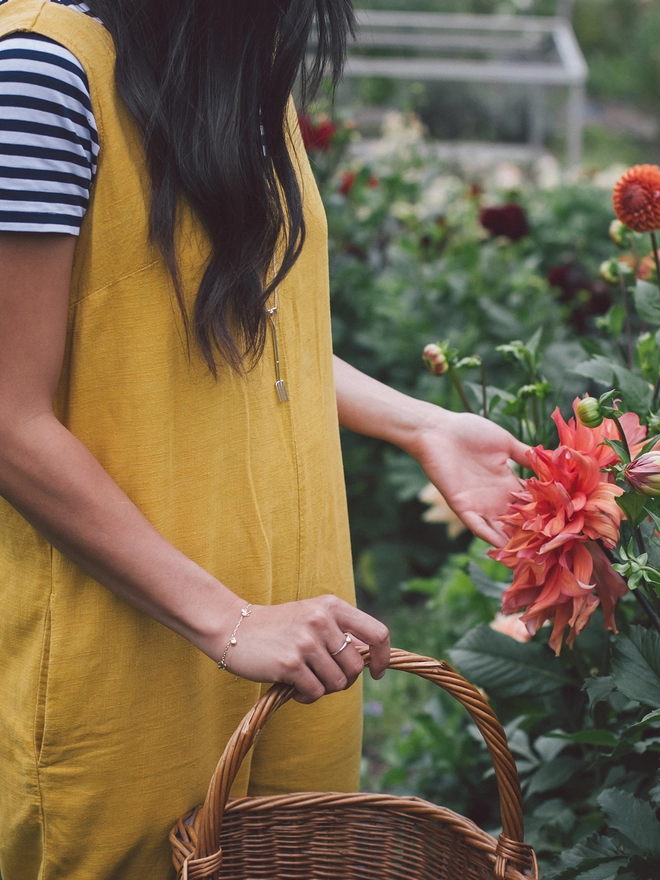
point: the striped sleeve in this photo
(48, 137)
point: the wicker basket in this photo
(331, 836)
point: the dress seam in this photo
(118, 280)
(296, 457)
(42, 811)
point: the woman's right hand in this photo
(300, 643)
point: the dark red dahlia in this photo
(509, 220)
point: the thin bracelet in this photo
(245, 612)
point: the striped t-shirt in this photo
(48, 137)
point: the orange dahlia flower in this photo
(560, 572)
(636, 198)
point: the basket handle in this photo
(206, 822)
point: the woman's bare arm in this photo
(61, 489)
(464, 455)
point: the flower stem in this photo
(633, 244)
(624, 298)
(648, 608)
(622, 436)
(459, 388)
(656, 392)
(654, 242)
(535, 417)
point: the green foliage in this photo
(636, 666)
(410, 264)
(498, 663)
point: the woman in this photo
(162, 245)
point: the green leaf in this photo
(590, 850)
(647, 302)
(597, 368)
(633, 504)
(651, 718)
(647, 447)
(654, 794)
(648, 744)
(636, 665)
(635, 392)
(595, 737)
(506, 668)
(608, 870)
(548, 747)
(619, 448)
(421, 586)
(553, 774)
(533, 343)
(486, 586)
(656, 519)
(633, 818)
(599, 689)
(613, 321)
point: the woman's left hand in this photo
(467, 458)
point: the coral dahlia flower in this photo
(636, 198)
(560, 571)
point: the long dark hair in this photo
(208, 83)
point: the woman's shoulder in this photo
(48, 136)
(76, 4)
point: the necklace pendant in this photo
(282, 393)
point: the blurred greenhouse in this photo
(620, 40)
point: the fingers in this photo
(519, 452)
(373, 633)
(307, 644)
(493, 533)
(324, 673)
(333, 663)
(349, 660)
(340, 671)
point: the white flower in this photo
(511, 625)
(440, 511)
(506, 175)
(548, 172)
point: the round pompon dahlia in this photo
(636, 198)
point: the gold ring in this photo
(347, 641)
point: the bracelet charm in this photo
(245, 612)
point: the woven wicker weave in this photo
(330, 836)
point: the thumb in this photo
(518, 452)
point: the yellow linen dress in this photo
(111, 724)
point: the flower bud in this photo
(647, 269)
(609, 271)
(435, 359)
(643, 473)
(589, 413)
(619, 233)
